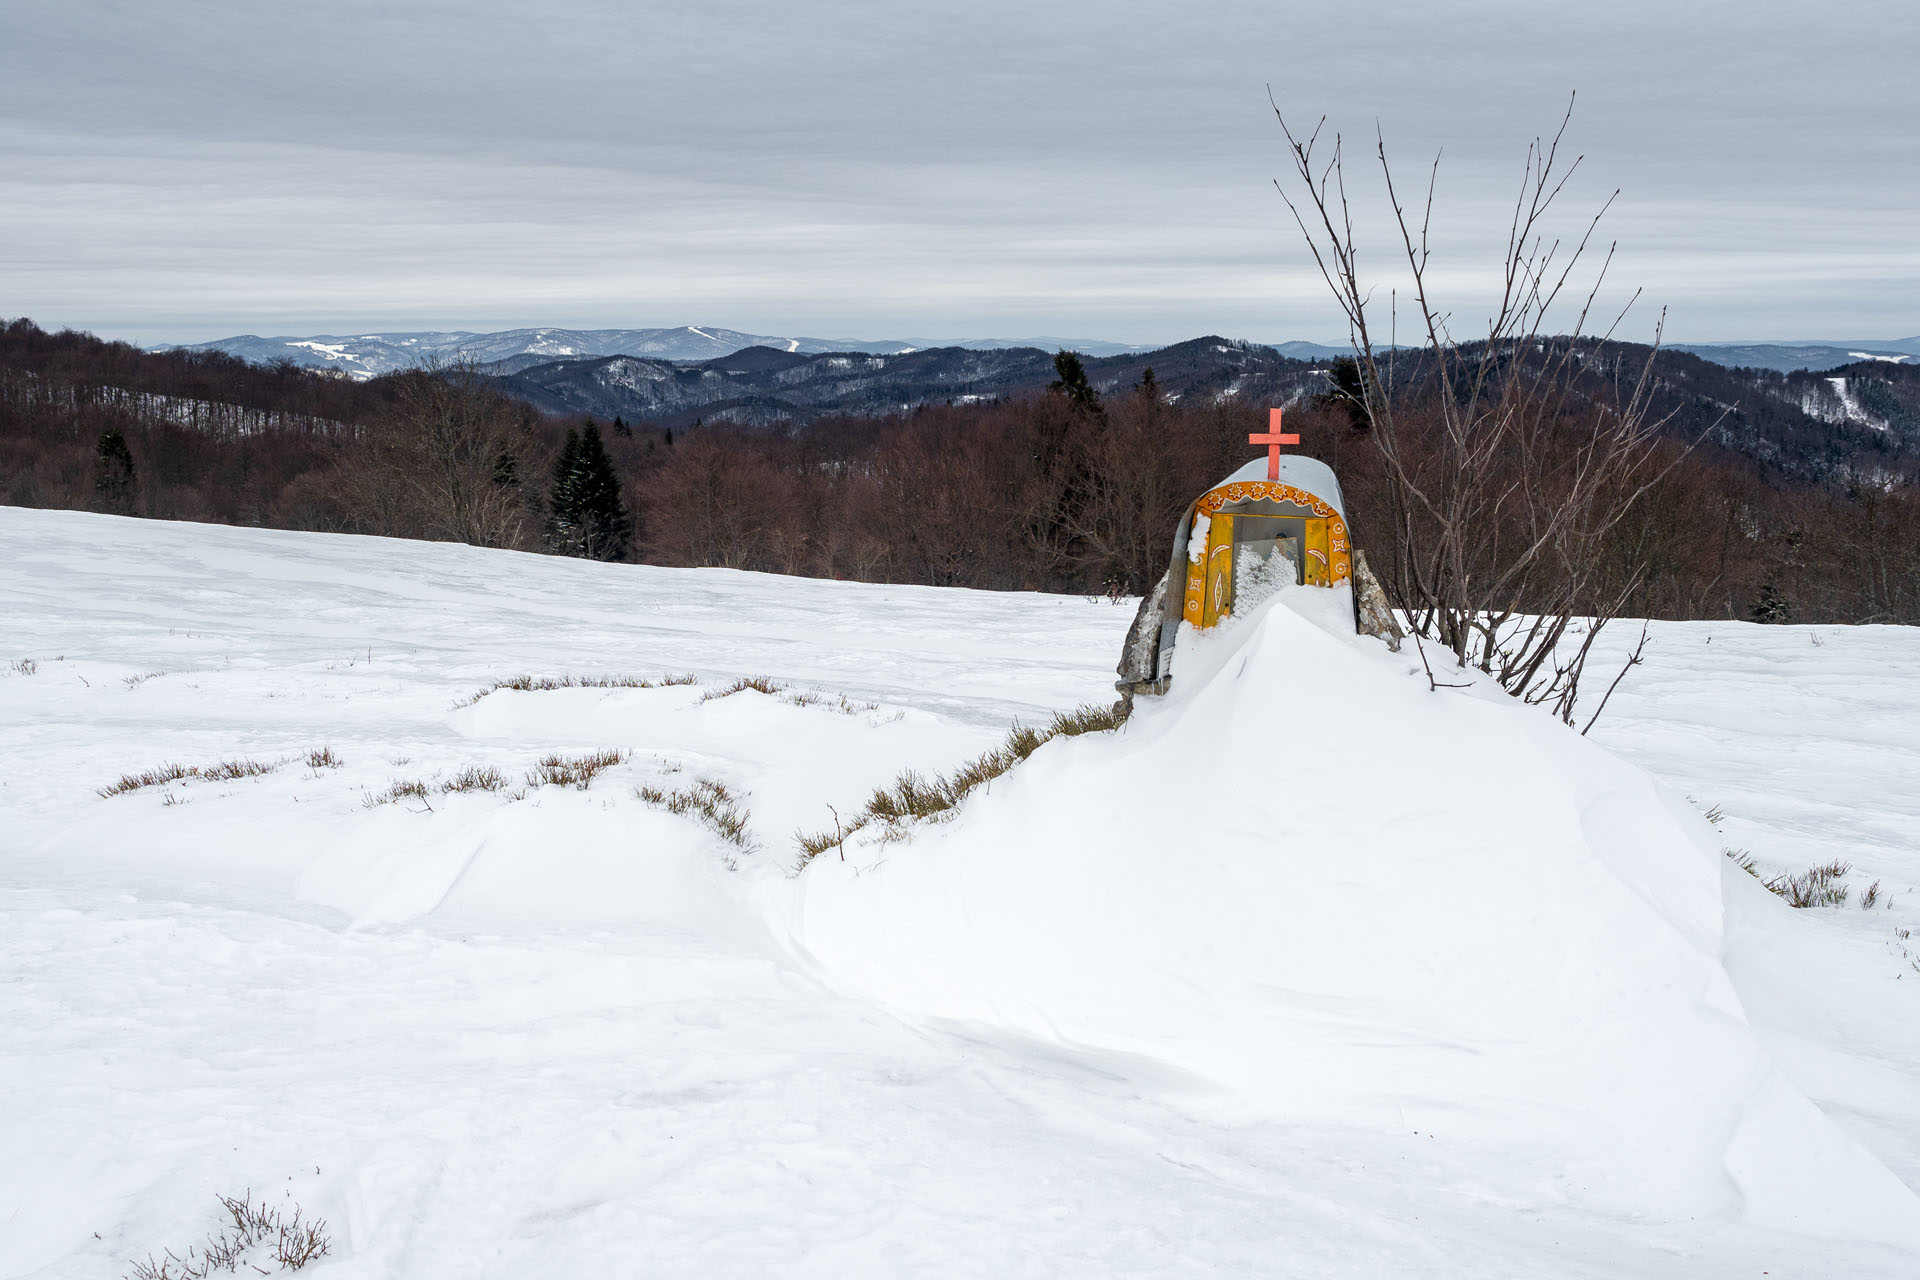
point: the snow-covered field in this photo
(1307, 971)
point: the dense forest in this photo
(1780, 497)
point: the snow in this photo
(1851, 410)
(1298, 470)
(332, 351)
(1307, 970)
(1197, 541)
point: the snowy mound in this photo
(1340, 898)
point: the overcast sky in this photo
(193, 169)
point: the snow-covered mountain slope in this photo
(1362, 1008)
(369, 354)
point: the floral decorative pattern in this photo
(1274, 491)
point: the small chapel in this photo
(1277, 521)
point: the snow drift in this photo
(1306, 878)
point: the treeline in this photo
(1061, 491)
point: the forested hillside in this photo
(1798, 503)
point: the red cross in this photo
(1273, 439)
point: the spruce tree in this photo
(1073, 383)
(1349, 392)
(588, 516)
(563, 505)
(609, 530)
(113, 478)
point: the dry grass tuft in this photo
(541, 684)
(578, 771)
(323, 758)
(23, 667)
(812, 846)
(1089, 719)
(234, 770)
(474, 778)
(134, 682)
(759, 684)
(709, 803)
(840, 702)
(159, 777)
(913, 798)
(1909, 951)
(1822, 886)
(225, 771)
(397, 791)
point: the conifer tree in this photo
(1072, 382)
(588, 517)
(1349, 392)
(113, 477)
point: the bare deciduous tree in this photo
(1511, 455)
(444, 463)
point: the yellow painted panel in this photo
(1317, 568)
(1219, 571)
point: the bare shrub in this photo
(23, 667)
(1511, 456)
(575, 771)
(709, 803)
(475, 778)
(759, 684)
(257, 1233)
(444, 462)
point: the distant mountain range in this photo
(1857, 418)
(368, 355)
(1793, 357)
(1866, 412)
(761, 386)
(512, 351)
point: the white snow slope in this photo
(1306, 971)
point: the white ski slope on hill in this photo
(1071, 1033)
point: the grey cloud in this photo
(193, 169)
